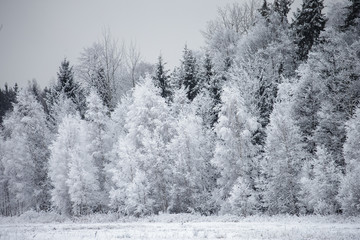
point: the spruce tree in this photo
(207, 71)
(308, 24)
(211, 82)
(66, 81)
(7, 98)
(190, 73)
(67, 87)
(161, 78)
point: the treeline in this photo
(266, 119)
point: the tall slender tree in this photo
(161, 78)
(99, 141)
(349, 193)
(283, 153)
(189, 73)
(234, 152)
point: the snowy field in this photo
(182, 227)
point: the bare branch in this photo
(133, 59)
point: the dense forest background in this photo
(264, 119)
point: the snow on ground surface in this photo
(183, 226)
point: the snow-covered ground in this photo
(182, 227)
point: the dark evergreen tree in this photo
(189, 74)
(161, 78)
(102, 87)
(207, 72)
(66, 81)
(212, 82)
(266, 95)
(353, 14)
(265, 10)
(335, 64)
(307, 26)
(69, 87)
(7, 98)
(282, 7)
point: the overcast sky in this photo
(37, 35)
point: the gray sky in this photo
(38, 34)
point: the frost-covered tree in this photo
(73, 171)
(321, 187)
(307, 105)
(266, 56)
(148, 127)
(331, 131)
(116, 125)
(283, 156)
(193, 175)
(122, 169)
(100, 141)
(60, 155)
(4, 190)
(138, 202)
(180, 102)
(234, 152)
(223, 33)
(336, 14)
(349, 194)
(243, 199)
(25, 158)
(83, 174)
(335, 65)
(58, 109)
